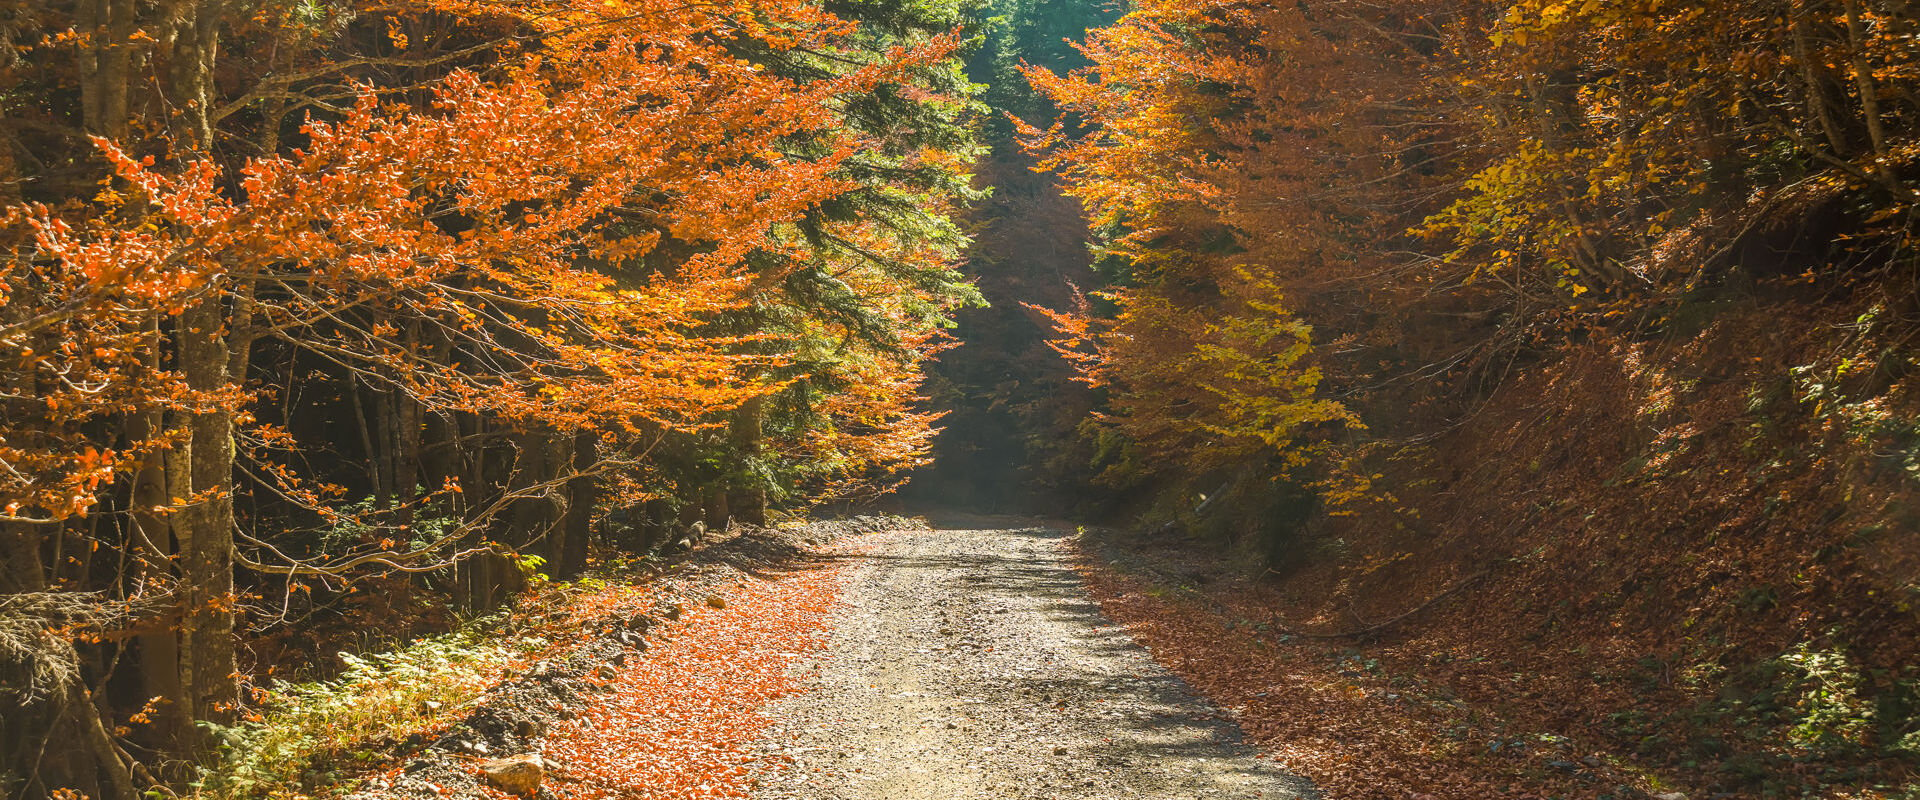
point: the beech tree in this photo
(532, 238)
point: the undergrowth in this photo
(306, 735)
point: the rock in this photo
(519, 775)
(716, 601)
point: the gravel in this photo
(972, 664)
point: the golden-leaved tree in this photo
(1242, 160)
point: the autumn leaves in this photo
(1437, 186)
(446, 283)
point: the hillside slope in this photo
(1695, 552)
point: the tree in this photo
(543, 247)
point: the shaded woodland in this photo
(1557, 354)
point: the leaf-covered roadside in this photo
(444, 701)
(679, 722)
(1367, 720)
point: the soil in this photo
(973, 664)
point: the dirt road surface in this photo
(971, 664)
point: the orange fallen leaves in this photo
(682, 718)
(1353, 745)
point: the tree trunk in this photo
(20, 548)
(195, 40)
(531, 522)
(157, 651)
(106, 64)
(204, 526)
(582, 496)
(749, 502)
(79, 708)
(718, 514)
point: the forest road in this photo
(972, 664)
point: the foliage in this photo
(1828, 704)
(684, 717)
(499, 268)
(304, 736)
(1432, 188)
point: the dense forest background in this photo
(1561, 348)
(1555, 352)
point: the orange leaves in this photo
(551, 245)
(682, 717)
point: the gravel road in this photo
(972, 664)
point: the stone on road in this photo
(972, 664)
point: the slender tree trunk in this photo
(212, 344)
(362, 421)
(1811, 72)
(204, 526)
(106, 64)
(158, 652)
(1863, 78)
(22, 565)
(195, 40)
(749, 502)
(79, 708)
(529, 523)
(582, 497)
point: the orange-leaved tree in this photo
(545, 243)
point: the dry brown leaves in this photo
(1353, 735)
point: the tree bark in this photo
(195, 40)
(749, 501)
(718, 513)
(106, 64)
(157, 651)
(79, 708)
(582, 496)
(204, 525)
